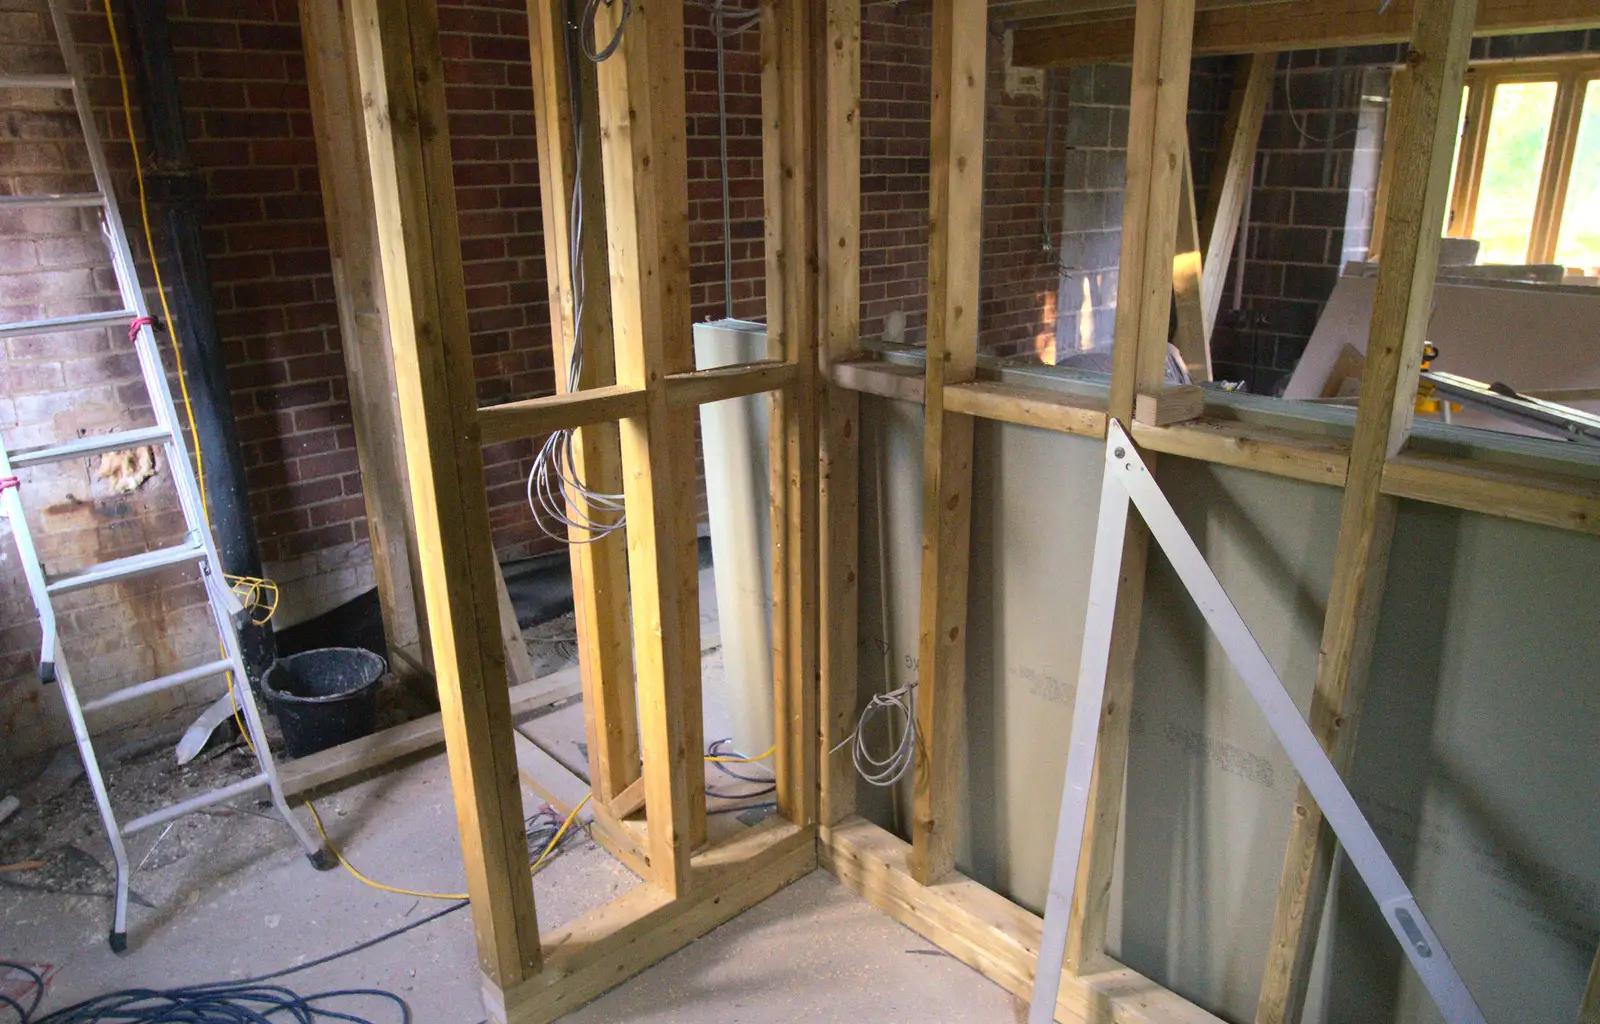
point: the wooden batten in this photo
(368, 354)
(1293, 25)
(401, 77)
(641, 100)
(570, 410)
(1157, 156)
(1028, 407)
(599, 566)
(1589, 1010)
(1192, 334)
(789, 205)
(1174, 403)
(1232, 176)
(616, 941)
(1425, 124)
(837, 69)
(989, 933)
(719, 384)
(956, 214)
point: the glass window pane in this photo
(1513, 158)
(1579, 240)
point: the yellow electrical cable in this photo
(548, 850)
(560, 832)
(724, 759)
(150, 243)
(317, 819)
(252, 582)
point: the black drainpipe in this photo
(179, 193)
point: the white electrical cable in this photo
(727, 20)
(885, 771)
(557, 495)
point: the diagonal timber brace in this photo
(1128, 479)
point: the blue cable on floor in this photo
(222, 1003)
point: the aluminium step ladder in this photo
(197, 548)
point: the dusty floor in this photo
(227, 894)
(230, 896)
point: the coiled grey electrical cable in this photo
(888, 770)
(586, 29)
(557, 493)
(728, 20)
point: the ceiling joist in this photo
(1297, 25)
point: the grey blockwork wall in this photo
(1094, 171)
(1311, 204)
(1476, 759)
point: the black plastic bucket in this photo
(324, 697)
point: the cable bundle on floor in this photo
(246, 1002)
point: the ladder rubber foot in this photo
(47, 672)
(323, 859)
(119, 942)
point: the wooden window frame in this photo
(1571, 76)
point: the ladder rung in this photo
(66, 323)
(188, 675)
(123, 568)
(36, 82)
(178, 810)
(56, 199)
(94, 444)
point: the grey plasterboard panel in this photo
(1479, 762)
(1209, 791)
(1507, 869)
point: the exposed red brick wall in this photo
(57, 387)
(896, 107)
(489, 94)
(1021, 213)
(742, 82)
(1019, 278)
(250, 131)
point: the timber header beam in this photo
(1302, 25)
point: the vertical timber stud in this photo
(1191, 334)
(1426, 115)
(1157, 152)
(791, 266)
(402, 91)
(641, 93)
(839, 288)
(599, 567)
(960, 38)
(1232, 173)
(1589, 1010)
(369, 364)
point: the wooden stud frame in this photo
(634, 409)
(915, 882)
(1224, 28)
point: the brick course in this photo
(243, 83)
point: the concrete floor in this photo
(241, 900)
(227, 894)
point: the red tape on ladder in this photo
(138, 322)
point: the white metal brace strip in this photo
(1127, 478)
